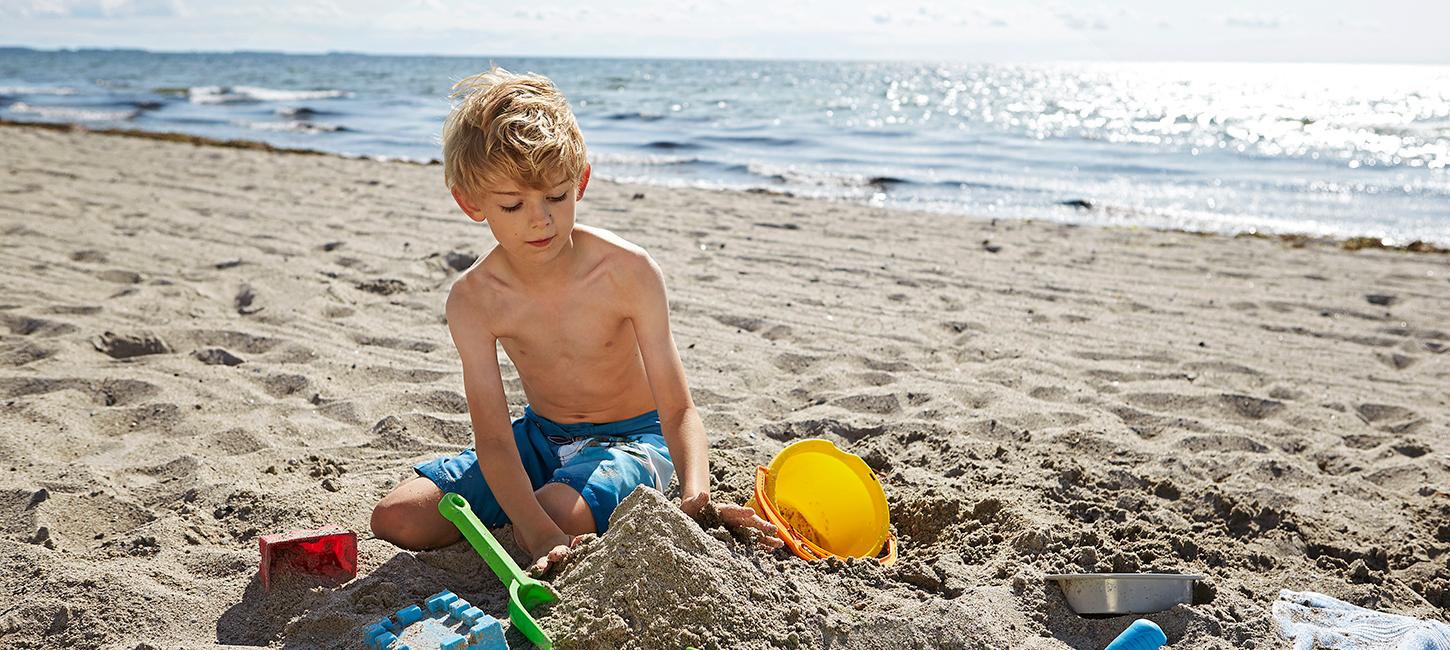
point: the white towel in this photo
(1315, 621)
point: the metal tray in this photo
(1125, 593)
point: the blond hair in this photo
(509, 127)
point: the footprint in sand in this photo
(126, 346)
(460, 261)
(794, 363)
(402, 432)
(788, 431)
(1050, 393)
(1254, 408)
(245, 299)
(964, 327)
(22, 353)
(103, 392)
(232, 340)
(392, 343)
(768, 331)
(745, 323)
(875, 378)
(382, 286)
(437, 401)
(119, 276)
(27, 326)
(217, 357)
(73, 310)
(1150, 425)
(1388, 417)
(89, 256)
(283, 384)
(1396, 360)
(881, 404)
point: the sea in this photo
(1334, 150)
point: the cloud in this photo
(1253, 21)
(1081, 22)
(97, 8)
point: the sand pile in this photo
(657, 580)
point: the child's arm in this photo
(680, 421)
(493, 440)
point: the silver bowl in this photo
(1125, 593)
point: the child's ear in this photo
(467, 206)
(583, 183)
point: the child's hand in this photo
(738, 519)
(559, 550)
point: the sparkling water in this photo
(1322, 149)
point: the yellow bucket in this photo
(825, 502)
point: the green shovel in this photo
(525, 593)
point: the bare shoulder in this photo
(472, 294)
(628, 264)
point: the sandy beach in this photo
(206, 344)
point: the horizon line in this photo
(103, 48)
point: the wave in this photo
(301, 112)
(73, 114)
(672, 145)
(754, 139)
(792, 175)
(643, 160)
(635, 115)
(37, 90)
(250, 94)
(299, 126)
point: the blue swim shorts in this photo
(603, 462)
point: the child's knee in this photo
(389, 521)
(406, 518)
(567, 508)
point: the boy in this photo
(583, 316)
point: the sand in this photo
(201, 345)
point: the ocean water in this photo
(1321, 149)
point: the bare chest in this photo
(584, 326)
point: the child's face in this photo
(528, 222)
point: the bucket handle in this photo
(797, 544)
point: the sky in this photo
(1379, 31)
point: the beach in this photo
(205, 344)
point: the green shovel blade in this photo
(525, 593)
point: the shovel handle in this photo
(455, 508)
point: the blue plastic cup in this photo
(1143, 634)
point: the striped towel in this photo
(1315, 621)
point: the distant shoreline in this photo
(1294, 240)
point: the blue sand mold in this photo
(457, 607)
(383, 640)
(372, 631)
(1143, 634)
(409, 615)
(485, 632)
(439, 603)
